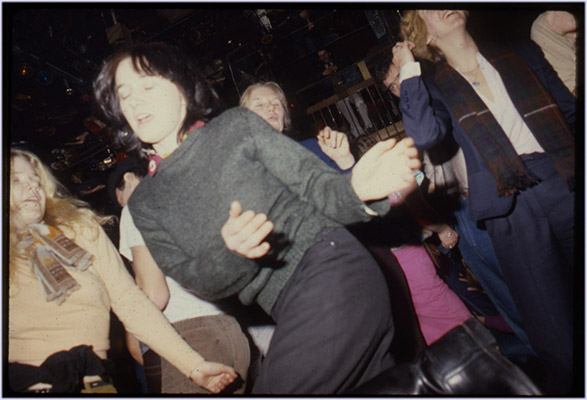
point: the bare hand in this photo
(213, 376)
(244, 233)
(336, 146)
(402, 53)
(386, 168)
(448, 237)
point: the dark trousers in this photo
(477, 250)
(334, 323)
(534, 245)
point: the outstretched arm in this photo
(141, 318)
(213, 376)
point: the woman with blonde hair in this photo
(65, 277)
(514, 120)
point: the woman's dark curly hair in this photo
(160, 59)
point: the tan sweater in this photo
(38, 328)
(559, 50)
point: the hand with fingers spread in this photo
(386, 168)
(244, 232)
(336, 146)
(213, 376)
(402, 53)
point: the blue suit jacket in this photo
(427, 118)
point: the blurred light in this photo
(86, 98)
(24, 69)
(22, 97)
(230, 41)
(45, 77)
(68, 89)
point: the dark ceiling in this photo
(55, 49)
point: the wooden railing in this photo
(341, 113)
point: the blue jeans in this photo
(477, 250)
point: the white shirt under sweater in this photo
(182, 304)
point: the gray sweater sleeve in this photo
(329, 191)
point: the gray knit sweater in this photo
(238, 156)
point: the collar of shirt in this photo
(155, 159)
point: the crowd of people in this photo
(266, 266)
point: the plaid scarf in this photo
(537, 107)
(50, 251)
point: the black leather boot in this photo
(465, 361)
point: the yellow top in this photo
(38, 328)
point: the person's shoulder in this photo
(309, 143)
(233, 113)
(540, 24)
(232, 118)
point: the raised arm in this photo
(425, 117)
(336, 146)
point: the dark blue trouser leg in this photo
(477, 250)
(534, 245)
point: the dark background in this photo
(53, 51)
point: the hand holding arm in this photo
(336, 146)
(244, 233)
(213, 376)
(386, 168)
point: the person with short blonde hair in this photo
(260, 105)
